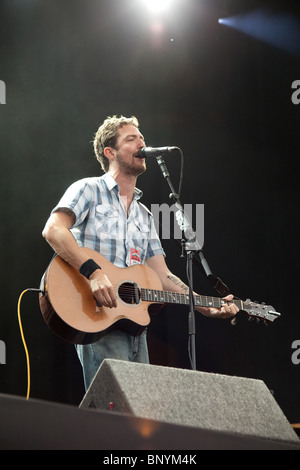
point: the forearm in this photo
(173, 283)
(57, 234)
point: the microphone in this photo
(154, 151)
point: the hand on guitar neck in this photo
(228, 309)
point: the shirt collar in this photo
(111, 184)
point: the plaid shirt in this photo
(102, 223)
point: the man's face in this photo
(129, 142)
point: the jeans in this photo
(115, 344)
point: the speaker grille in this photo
(191, 398)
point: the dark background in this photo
(224, 98)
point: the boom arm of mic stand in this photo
(200, 262)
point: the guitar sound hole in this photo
(129, 293)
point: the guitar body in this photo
(70, 309)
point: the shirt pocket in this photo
(107, 219)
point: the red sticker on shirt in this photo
(134, 256)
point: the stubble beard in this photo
(130, 169)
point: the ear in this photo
(109, 152)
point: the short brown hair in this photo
(107, 134)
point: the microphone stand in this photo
(194, 256)
(191, 246)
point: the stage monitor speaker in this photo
(191, 398)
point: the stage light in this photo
(279, 29)
(156, 6)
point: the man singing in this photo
(104, 214)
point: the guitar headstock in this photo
(261, 311)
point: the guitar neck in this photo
(151, 295)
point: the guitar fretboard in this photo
(152, 295)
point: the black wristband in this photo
(88, 267)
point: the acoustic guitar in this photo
(71, 311)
